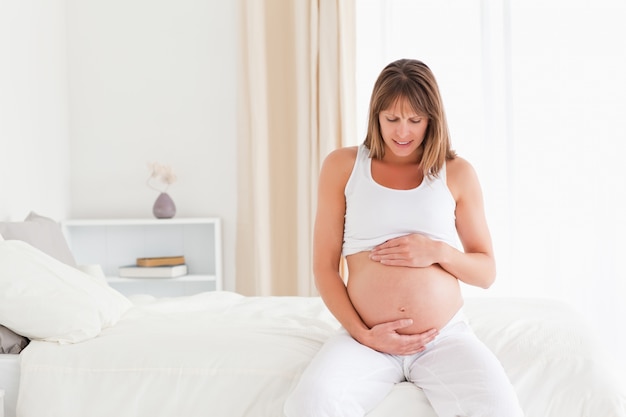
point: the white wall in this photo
(148, 81)
(34, 141)
(153, 80)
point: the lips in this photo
(403, 143)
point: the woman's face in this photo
(402, 129)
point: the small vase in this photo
(164, 207)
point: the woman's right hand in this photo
(385, 338)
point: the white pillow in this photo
(44, 299)
(43, 233)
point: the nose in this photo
(403, 129)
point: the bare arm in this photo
(327, 245)
(475, 265)
(328, 240)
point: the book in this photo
(134, 271)
(161, 261)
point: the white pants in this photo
(458, 373)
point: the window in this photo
(535, 97)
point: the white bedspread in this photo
(220, 354)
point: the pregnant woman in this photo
(396, 207)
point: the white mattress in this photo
(9, 382)
(225, 355)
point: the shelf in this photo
(112, 243)
(141, 222)
(184, 278)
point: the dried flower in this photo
(161, 176)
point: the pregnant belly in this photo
(430, 296)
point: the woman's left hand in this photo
(414, 250)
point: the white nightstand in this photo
(112, 243)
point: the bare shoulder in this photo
(458, 167)
(346, 155)
(340, 162)
(461, 176)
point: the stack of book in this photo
(156, 267)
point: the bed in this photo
(94, 352)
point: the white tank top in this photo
(375, 213)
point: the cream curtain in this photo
(296, 95)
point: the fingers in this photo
(390, 243)
(415, 343)
(392, 249)
(429, 335)
(399, 324)
(411, 251)
(402, 323)
(403, 344)
(390, 254)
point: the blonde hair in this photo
(413, 81)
